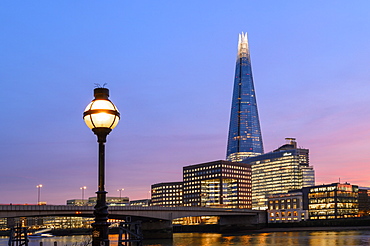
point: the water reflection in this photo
(318, 238)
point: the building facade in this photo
(141, 203)
(284, 169)
(77, 202)
(332, 201)
(245, 138)
(217, 184)
(287, 207)
(111, 201)
(167, 194)
(364, 201)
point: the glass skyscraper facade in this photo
(245, 139)
(333, 201)
(284, 169)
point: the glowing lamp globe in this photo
(101, 115)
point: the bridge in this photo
(154, 218)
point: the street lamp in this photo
(38, 193)
(120, 190)
(83, 188)
(101, 116)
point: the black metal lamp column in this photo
(101, 116)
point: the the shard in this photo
(245, 139)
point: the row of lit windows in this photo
(332, 206)
(332, 194)
(288, 167)
(168, 187)
(166, 192)
(288, 213)
(171, 198)
(285, 158)
(216, 166)
(236, 171)
(191, 183)
(202, 172)
(284, 200)
(203, 177)
(333, 212)
(191, 191)
(277, 166)
(201, 168)
(171, 202)
(283, 206)
(230, 175)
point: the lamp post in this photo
(101, 116)
(83, 188)
(38, 193)
(120, 190)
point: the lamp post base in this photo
(99, 235)
(100, 226)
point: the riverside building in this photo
(141, 202)
(245, 139)
(111, 201)
(284, 169)
(167, 194)
(287, 207)
(332, 201)
(364, 201)
(217, 184)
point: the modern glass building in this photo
(245, 139)
(333, 201)
(218, 184)
(284, 169)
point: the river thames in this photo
(312, 238)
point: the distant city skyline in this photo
(170, 69)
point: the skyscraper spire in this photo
(245, 139)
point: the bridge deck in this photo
(166, 213)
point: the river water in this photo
(302, 238)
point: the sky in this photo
(169, 66)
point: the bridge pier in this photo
(239, 223)
(157, 229)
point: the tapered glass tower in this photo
(245, 139)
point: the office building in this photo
(167, 194)
(111, 201)
(77, 202)
(284, 169)
(141, 202)
(332, 201)
(217, 184)
(287, 207)
(364, 201)
(245, 139)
